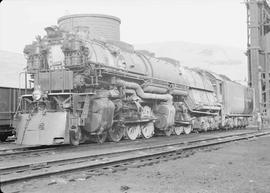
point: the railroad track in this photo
(29, 150)
(87, 160)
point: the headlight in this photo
(37, 95)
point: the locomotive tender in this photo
(91, 88)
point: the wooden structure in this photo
(258, 53)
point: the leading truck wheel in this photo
(115, 133)
(75, 135)
(100, 138)
(3, 137)
(168, 131)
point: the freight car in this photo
(89, 88)
(8, 104)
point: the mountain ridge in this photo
(12, 64)
(227, 60)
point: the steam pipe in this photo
(142, 94)
(206, 107)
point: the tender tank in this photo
(238, 99)
(99, 25)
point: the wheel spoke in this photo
(116, 133)
(147, 130)
(168, 131)
(101, 137)
(187, 129)
(132, 132)
(178, 130)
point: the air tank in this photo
(105, 26)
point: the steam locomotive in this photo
(91, 88)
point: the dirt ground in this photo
(239, 167)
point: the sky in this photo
(218, 22)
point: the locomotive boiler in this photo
(87, 87)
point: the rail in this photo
(88, 160)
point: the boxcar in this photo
(8, 103)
